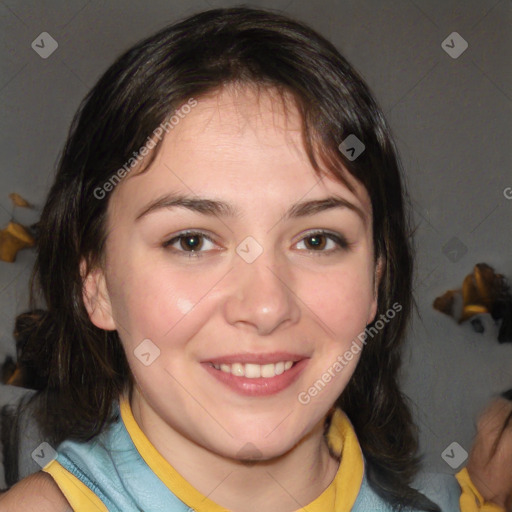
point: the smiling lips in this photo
(257, 374)
(254, 371)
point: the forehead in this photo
(238, 138)
(248, 112)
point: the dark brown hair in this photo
(85, 368)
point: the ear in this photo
(96, 297)
(379, 270)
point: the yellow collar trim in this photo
(79, 496)
(340, 495)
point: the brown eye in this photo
(320, 240)
(191, 244)
(317, 241)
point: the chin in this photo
(266, 448)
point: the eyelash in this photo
(337, 239)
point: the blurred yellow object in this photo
(483, 292)
(19, 201)
(14, 238)
(472, 310)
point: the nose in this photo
(262, 296)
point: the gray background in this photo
(452, 119)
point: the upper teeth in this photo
(253, 371)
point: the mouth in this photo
(255, 371)
(257, 375)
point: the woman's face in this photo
(256, 286)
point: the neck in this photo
(286, 483)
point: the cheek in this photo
(341, 299)
(156, 302)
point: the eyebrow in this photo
(215, 208)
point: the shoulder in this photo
(36, 493)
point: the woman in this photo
(225, 260)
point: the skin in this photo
(243, 149)
(35, 493)
(492, 475)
